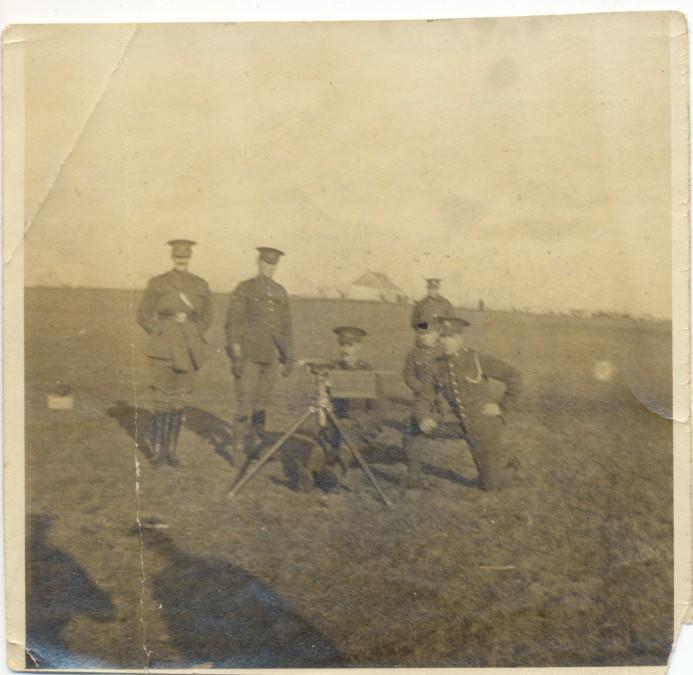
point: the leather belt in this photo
(179, 317)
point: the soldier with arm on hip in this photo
(176, 311)
(461, 377)
(258, 342)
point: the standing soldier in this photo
(176, 311)
(473, 412)
(258, 339)
(432, 306)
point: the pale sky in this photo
(525, 161)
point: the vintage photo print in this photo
(347, 344)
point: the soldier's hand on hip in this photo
(491, 409)
(428, 425)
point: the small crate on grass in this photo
(61, 398)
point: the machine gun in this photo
(325, 377)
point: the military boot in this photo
(157, 437)
(257, 425)
(240, 431)
(414, 478)
(175, 423)
(256, 433)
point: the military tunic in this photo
(417, 365)
(417, 375)
(258, 320)
(428, 309)
(473, 410)
(176, 311)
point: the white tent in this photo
(376, 286)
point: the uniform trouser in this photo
(172, 388)
(484, 436)
(485, 439)
(334, 445)
(253, 390)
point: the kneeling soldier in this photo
(461, 378)
(418, 362)
(417, 374)
(176, 310)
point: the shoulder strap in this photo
(186, 300)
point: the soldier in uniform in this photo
(176, 311)
(417, 373)
(258, 342)
(417, 363)
(473, 412)
(356, 417)
(432, 306)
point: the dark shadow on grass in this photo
(136, 423)
(58, 589)
(211, 429)
(374, 453)
(216, 612)
(294, 455)
(449, 475)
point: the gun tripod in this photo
(322, 409)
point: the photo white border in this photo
(132, 11)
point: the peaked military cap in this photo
(452, 324)
(270, 255)
(181, 248)
(349, 334)
(433, 282)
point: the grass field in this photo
(573, 566)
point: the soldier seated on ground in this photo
(330, 458)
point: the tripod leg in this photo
(359, 457)
(270, 451)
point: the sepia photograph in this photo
(346, 344)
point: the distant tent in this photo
(376, 286)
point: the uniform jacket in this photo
(428, 309)
(259, 320)
(463, 382)
(181, 343)
(417, 365)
